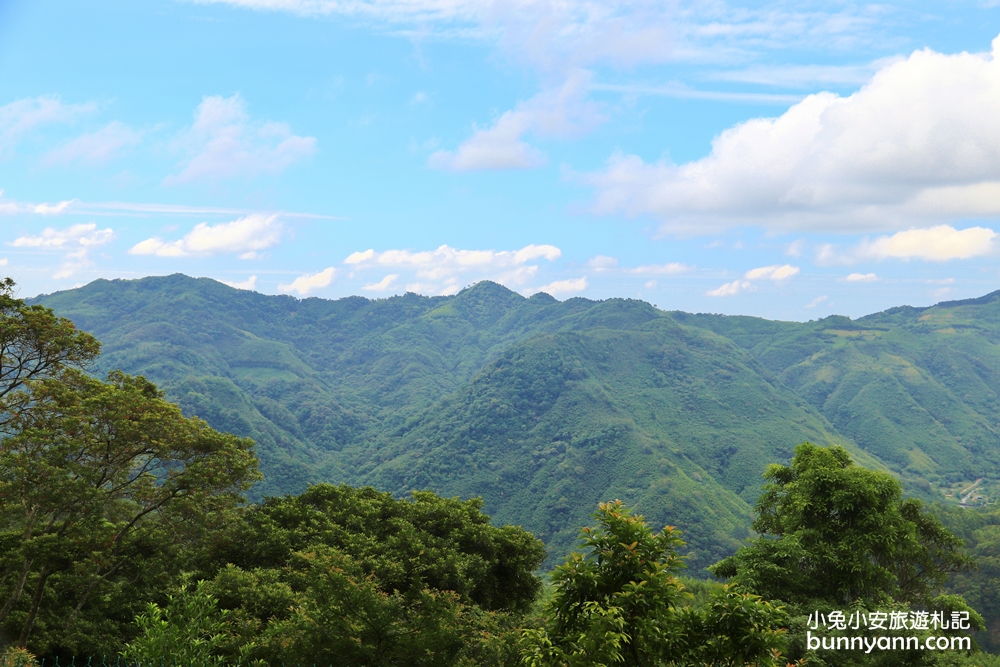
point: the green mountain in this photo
(544, 408)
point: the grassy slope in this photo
(915, 388)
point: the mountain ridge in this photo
(545, 407)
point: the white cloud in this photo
(3, 262)
(96, 147)
(247, 284)
(775, 272)
(307, 283)
(570, 286)
(561, 112)
(919, 143)
(245, 236)
(939, 244)
(384, 285)
(660, 269)
(446, 269)
(861, 278)
(74, 237)
(815, 302)
(9, 207)
(22, 116)
(358, 257)
(224, 143)
(772, 272)
(52, 209)
(602, 263)
(733, 288)
(75, 242)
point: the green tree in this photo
(34, 344)
(622, 603)
(836, 536)
(833, 532)
(186, 631)
(351, 575)
(93, 475)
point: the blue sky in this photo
(783, 159)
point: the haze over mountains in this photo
(544, 407)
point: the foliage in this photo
(621, 603)
(17, 657)
(351, 574)
(186, 631)
(34, 345)
(93, 473)
(980, 528)
(835, 536)
(543, 408)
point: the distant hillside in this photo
(545, 407)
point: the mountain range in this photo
(544, 407)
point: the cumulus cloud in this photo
(96, 147)
(938, 244)
(775, 273)
(22, 116)
(310, 282)
(223, 142)
(920, 143)
(9, 207)
(75, 242)
(445, 269)
(772, 272)
(385, 285)
(359, 257)
(861, 278)
(247, 284)
(562, 112)
(76, 236)
(246, 236)
(733, 288)
(558, 287)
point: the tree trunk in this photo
(36, 602)
(16, 593)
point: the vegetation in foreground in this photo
(123, 530)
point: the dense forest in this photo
(125, 529)
(545, 408)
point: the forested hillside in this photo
(544, 408)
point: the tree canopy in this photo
(621, 602)
(838, 537)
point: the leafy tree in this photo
(835, 536)
(427, 541)
(622, 603)
(347, 575)
(186, 631)
(834, 532)
(34, 344)
(94, 473)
